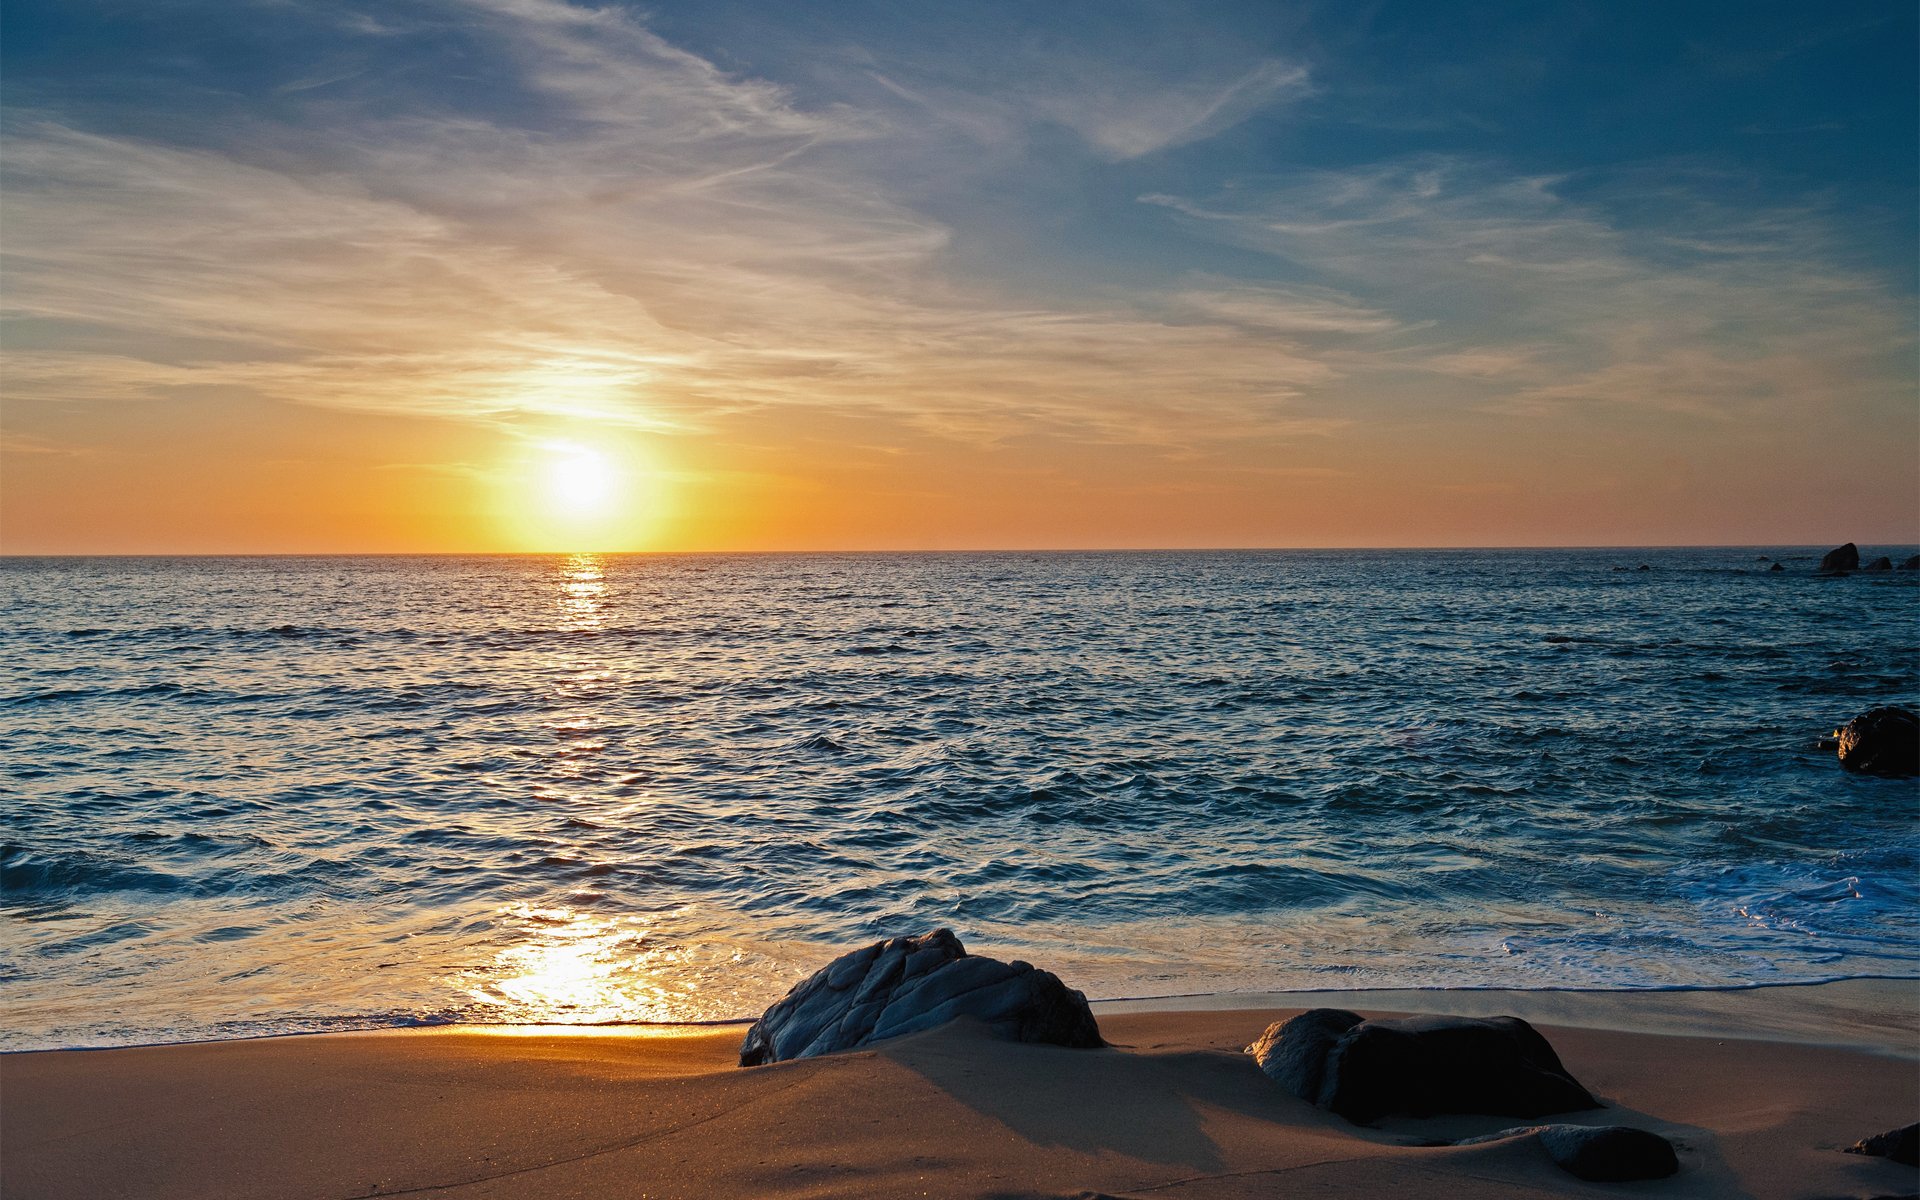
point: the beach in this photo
(1760, 1091)
(1003, 601)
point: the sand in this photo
(1173, 1109)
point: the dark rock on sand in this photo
(1601, 1153)
(1417, 1066)
(1899, 1145)
(905, 985)
(1880, 741)
(1883, 563)
(1294, 1053)
(1842, 560)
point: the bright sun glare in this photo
(579, 493)
(580, 482)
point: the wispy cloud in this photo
(663, 244)
(1129, 117)
(1543, 300)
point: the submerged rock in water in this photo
(1883, 563)
(1417, 1066)
(1911, 563)
(905, 985)
(1776, 567)
(1900, 1145)
(1841, 560)
(1601, 1153)
(1880, 741)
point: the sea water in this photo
(260, 795)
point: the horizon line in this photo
(689, 553)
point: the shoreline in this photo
(1171, 1107)
(1863, 1009)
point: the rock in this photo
(1910, 564)
(1643, 567)
(1601, 1153)
(905, 985)
(1418, 1066)
(1294, 1053)
(1842, 560)
(1883, 563)
(1899, 1145)
(1880, 741)
(1763, 558)
(1776, 567)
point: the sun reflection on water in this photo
(572, 966)
(583, 590)
(560, 964)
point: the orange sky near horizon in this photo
(238, 478)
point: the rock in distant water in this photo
(1880, 741)
(1601, 1153)
(1899, 1145)
(1776, 567)
(1883, 563)
(1842, 560)
(905, 985)
(1417, 1066)
(1911, 564)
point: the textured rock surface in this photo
(1601, 1153)
(905, 985)
(1845, 558)
(1880, 741)
(1294, 1053)
(1900, 1145)
(1418, 1066)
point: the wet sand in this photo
(1760, 1090)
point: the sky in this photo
(477, 275)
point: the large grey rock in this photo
(1294, 1053)
(1841, 560)
(1601, 1153)
(1901, 1145)
(1418, 1066)
(905, 985)
(1880, 741)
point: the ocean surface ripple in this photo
(259, 795)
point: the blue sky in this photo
(1253, 248)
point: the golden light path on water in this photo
(574, 967)
(570, 965)
(566, 963)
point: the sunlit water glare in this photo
(260, 795)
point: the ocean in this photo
(248, 796)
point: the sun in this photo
(570, 493)
(580, 482)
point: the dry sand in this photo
(1172, 1110)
